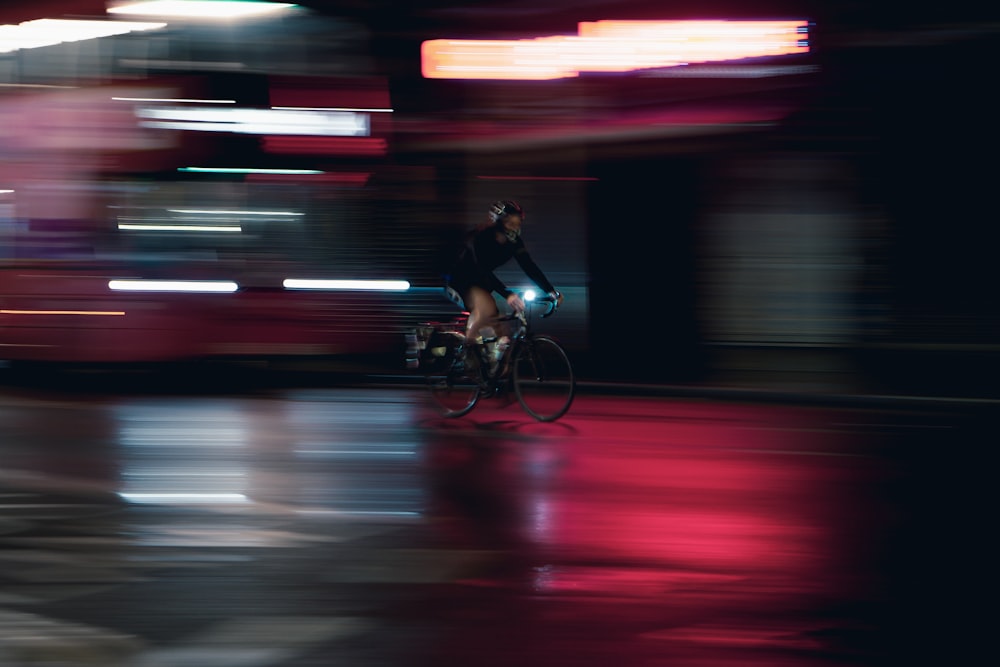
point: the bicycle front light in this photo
(529, 295)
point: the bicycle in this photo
(535, 366)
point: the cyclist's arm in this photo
(532, 271)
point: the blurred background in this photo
(804, 204)
(187, 187)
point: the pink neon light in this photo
(611, 46)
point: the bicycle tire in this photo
(543, 378)
(455, 389)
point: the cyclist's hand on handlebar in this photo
(516, 303)
(557, 297)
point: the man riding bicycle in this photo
(472, 280)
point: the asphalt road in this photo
(353, 526)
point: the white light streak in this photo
(205, 211)
(47, 32)
(184, 498)
(248, 170)
(360, 285)
(219, 286)
(180, 473)
(199, 9)
(258, 121)
(128, 226)
(6, 192)
(171, 100)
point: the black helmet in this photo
(501, 209)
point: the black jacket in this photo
(484, 251)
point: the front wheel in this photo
(543, 378)
(453, 384)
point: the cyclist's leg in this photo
(481, 324)
(483, 311)
(484, 316)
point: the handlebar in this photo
(552, 303)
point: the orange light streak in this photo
(62, 312)
(612, 46)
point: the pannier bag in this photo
(429, 343)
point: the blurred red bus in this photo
(123, 182)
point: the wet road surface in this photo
(352, 526)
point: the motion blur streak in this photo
(185, 498)
(168, 100)
(377, 285)
(612, 46)
(308, 145)
(248, 170)
(208, 9)
(48, 32)
(258, 121)
(172, 286)
(353, 109)
(201, 211)
(353, 179)
(63, 312)
(178, 228)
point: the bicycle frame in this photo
(503, 377)
(542, 374)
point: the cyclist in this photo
(472, 281)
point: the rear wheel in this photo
(543, 378)
(453, 384)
